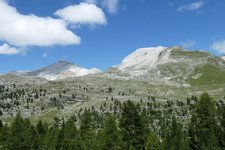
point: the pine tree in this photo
(65, 144)
(112, 138)
(153, 142)
(32, 138)
(70, 128)
(86, 123)
(1, 125)
(4, 137)
(17, 139)
(77, 143)
(60, 137)
(221, 129)
(87, 130)
(50, 139)
(132, 126)
(203, 124)
(178, 137)
(40, 128)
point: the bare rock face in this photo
(168, 65)
(223, 57)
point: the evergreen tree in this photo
(153, 143)
(70, 128)
(5, 137)
(203, 125)
(60, 137)
(112, 136)
(65, 144)
(32, 138)
(221, 129)
(49, 141)
(1, 125)
(86, 123)
(132, 126)
(40, 128)
(17, 139)
(77, 143)
(175, 137)
(87, 131)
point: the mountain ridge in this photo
(168, 66)
(158, 65)
(60, 70)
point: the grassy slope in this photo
(211, 75)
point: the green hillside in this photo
(210, 74)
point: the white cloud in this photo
(191, 7)
(6, 49)
(30, 30)
(188, 44)
(219, 46)
(111, 5)
(84, 13)
(20, 31)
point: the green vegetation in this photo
(191, 54)
(135, 127)
(208, 75)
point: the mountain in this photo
(173, 66)
(160, 65)
(61, 70)
(142, 58)
(162, 73)
(223, 57)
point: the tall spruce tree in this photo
(176, 138)
(203, 125)
(5, 137)
(221, 128)
(153, 142)
(18, 136)
(112, 136)
(88, 134)
(132, 126)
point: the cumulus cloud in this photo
(30, 30)
(20, 30)
(84, 13)
(6, 49)
(219, 46)
(191, 7)
(110, 5)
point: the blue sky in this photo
(112, 30)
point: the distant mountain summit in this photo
(144, 58)
(172, 66)
(223, 57)
(61, 70)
